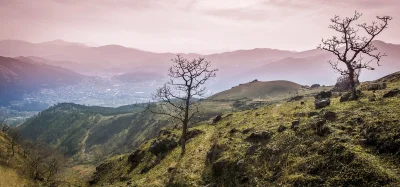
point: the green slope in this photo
(361, 147)
(89, 131)
(258, 90)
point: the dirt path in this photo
(84, 141)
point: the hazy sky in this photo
(202, 26)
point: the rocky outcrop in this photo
(315, 86)
(281, 128)
(322, 103)
(216, 119)
(345, 97)
(374, 86)
(329, 115)
(162, 146)
(213, 154)
(259, 136)
(323, 95)
(135, 158)
(193, 133)
(392, 93)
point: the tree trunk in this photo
(185, 123)
(12, 148)
(183, 138)
(352, 85)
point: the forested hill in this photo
(91, 132)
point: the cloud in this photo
(186, 25)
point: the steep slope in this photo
(90, 133)
(76, 129)
(18, 76)
(10, 167)
(258, 90)
(354, 143)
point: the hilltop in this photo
(258, 90)
(354, 143)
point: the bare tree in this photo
(15, 138)
(187, 79)
(350, 46)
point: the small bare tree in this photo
(15, 139)
(187, 79)
(350, 46)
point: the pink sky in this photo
(202, 26)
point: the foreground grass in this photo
(359, 150)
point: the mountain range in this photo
(21, 75)
(304, 67)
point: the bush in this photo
(343, 83)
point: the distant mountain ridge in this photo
(305, 67)
(21, 75)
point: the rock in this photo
(296, 98)
(240, 166)
(300, 114)
(323, 95)
(392, 93)
(259, 136)
(345, 97)
(315, 86)
(329, 115)
(171, 169)
(219, 167)
(320, 128)
(372, 98)
(193, 133)
(375, 86)
(363, 141)
(311, 114)
(164, 132)
(135, 158)
(322, 103)
(295, 124)
(213, 154)
(234, 130)
(123, 178)
(358, 120)
(216, 119)
(245, 131)
(162, 146)
(281, 128)
(243, 179)
(251, 150)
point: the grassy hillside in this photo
(354, 143)
(10, 167)
(90, 133)
(258, 90)
(76, 129)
